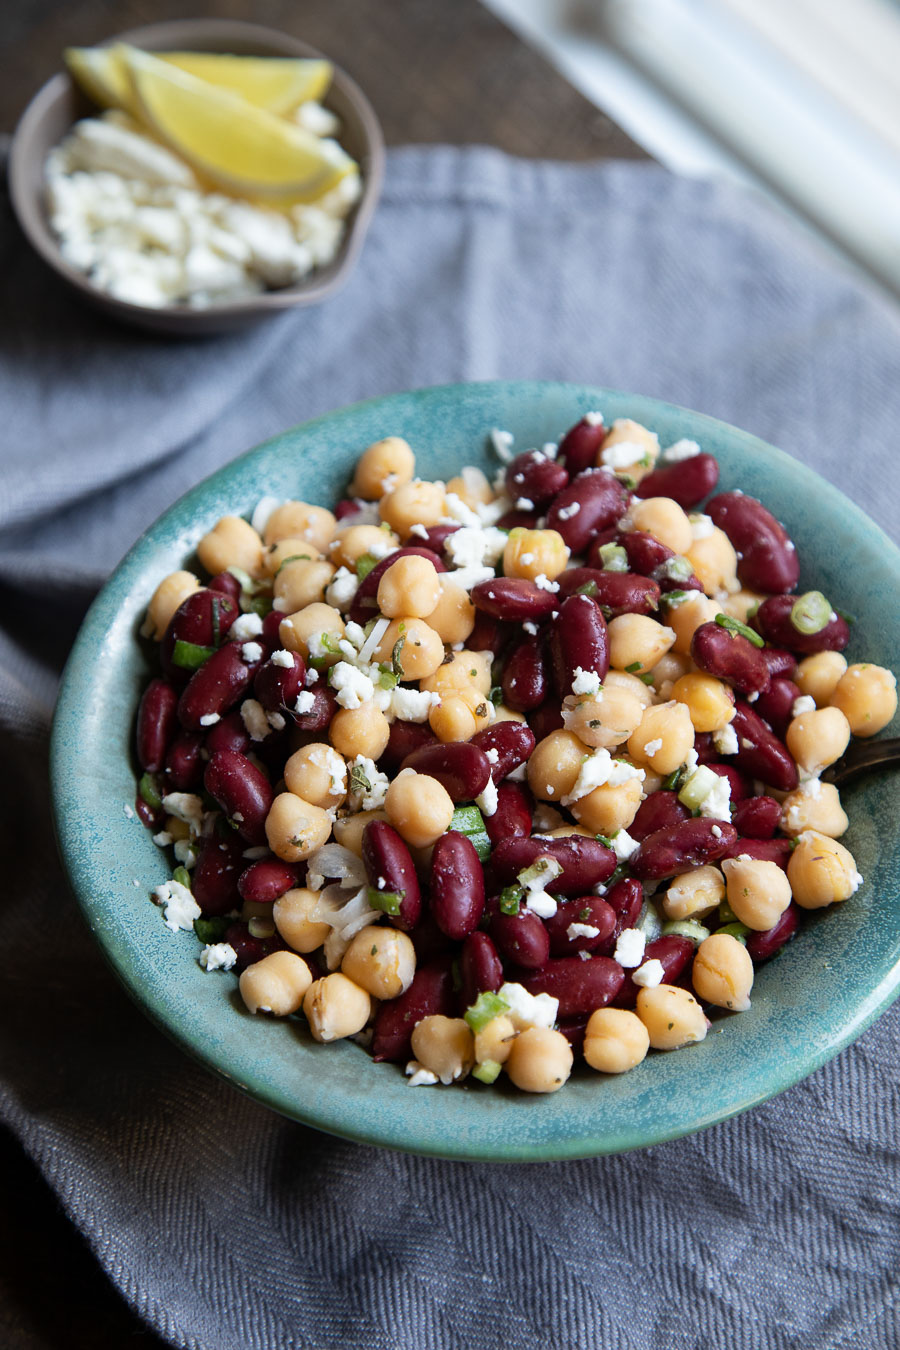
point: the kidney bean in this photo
(277, 686)
(626, 900)
(203, 619)
(578, 638)
(153, 819)
(575, 1029)
(480, 968)
(513, 742)
(675, 848)
(761, 946)
(534, 476)
(588, 910)
(773, 619)
(617, 592)
(585, 862)
(768, 850)
(264, 882)
(347, 507)
(404, 740)
(365, 602)
(226, 584)
(457, 885)
(776, 705)
(730, 657)
(459, 766)
(581, 444)
(518, 520)
(184, 762)
(214, 879)
(324, 707)
(525, 680)
(270, 637)
(430, 994)
(780, 662)
(673, 953)
(739, 783)
(437, 536)
(512, 818)
(156, 724)
(601, 501)
(251, 949)
(229, 733)
(767, 560)
(650, 558)
(214, 687)
(520, 938)
(757, 817)
(513, 599)
(581, 986)
(655, 812)
(488, 635)
(760, 753)
(428, 940)
(548, 717)
(242, 791)
(705, 748)
(687, 481)
(389, 867)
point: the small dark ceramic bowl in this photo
(59, 104)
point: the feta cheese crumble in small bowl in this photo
(140, 233)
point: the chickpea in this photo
(615, 1040)
(348, 830)
(709, 701)
(867, 696)
(818, 676)
(299, 520)
(360, 731)
(460, 714)
(606, 719)
(743, 604)
(494, 1041)
(814, 806)
(686, 617)
(758, 891)
(410, 586)
(169, 595)
(471, 487)
(626, 432)
(539, 1060)
(672, 1016)
(336, 1007)
(301, 583)
(296, 630)
(461, 671)
(276, 984)
(295, 828)
(421, 652)
(619, 679)
(714, 562)
(418, 807)
(665, 520)
(349, 544)
(415, 503)
(385, 465)
(288, 550)
(380, 960)
(318, 774)
(821, 871)
(664, 737)
(722, 973)
(453, 617)
(667, 671)
(294, 916)
(178, 829)
(444, 1045)
(534, 553)
(231, 542)
(817, 739)
(504, 714)
(554, 765)
(568, 831)
(636, 642)
(609, 808)
(695, 893)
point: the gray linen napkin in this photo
(228, 1227)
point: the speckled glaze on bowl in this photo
(821, 992)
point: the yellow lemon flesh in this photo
(246, 150)
(272, 83)
(100, 73)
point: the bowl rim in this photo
(356, 1125)
(32, 217)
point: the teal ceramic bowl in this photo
(822, 991)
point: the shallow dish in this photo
(823, 989)
(59, 104)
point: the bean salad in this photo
(491, 776)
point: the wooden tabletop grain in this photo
(436, 71)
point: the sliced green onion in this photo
(736, 930)
(293, 557)
(496, 695)
(646, 678)
(510, 899)
(633, 668)
(364, 564)
(540, 870)
(627, 481)
(688, 928)
(488, 1072)
(848, 618)
(735, 626)
(259, 604)
(182, 876)
(697, 787)
(190, 656)
(613, 558)
(605, 839)
(211, 930)
(675, 597)
(589, 588)
(810, 613)
(677, 568)
(388, 902)
(469, 821)
(486, 1007)
(387, 678)
(149, 793)
(243, 578)
(726, 913)
(618, 875)
(671, 783)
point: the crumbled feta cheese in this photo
(419, 1076)
(460, 511)
(803, 704)
(585, 681)
(492, 755)
(524, 504)
(342, 588)
(246, 626)
(305, 702)
(593, 419)
(502, 442)
(650, 974)
(585, 930)
(129, 812)
(487, 800)
(530, 628)
(253, 716)
(541, 904)
(419, 531)
(282, 658)
(725, 740)
(623, 845)
(652, 747)
(630, 946)
(544, 583)
(251, 652)
(186, 806)
(702, 526)
(181, 909)
(364, 770)
(751, 698)
(855, 882)
(681, 450)
(622, 454)
(597, 769)
(163, 839)
(218, 956)
(352, 687)
(412, 705)
(185, 852)
(569, 512)
(475, 546)
(528, 1010)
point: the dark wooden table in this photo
(435, 70)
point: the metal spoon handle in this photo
(862, 757)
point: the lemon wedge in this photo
(101, 74)
(273, 83)
(246, 150)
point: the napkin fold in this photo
(227, 1227)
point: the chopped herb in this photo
(646, 678)
(395, 657)
(182, 876)
(486, 1007)
(149, 793)
(618, 875)
(595, 722)
(794, 843)
(735, 930)
(487, 1072)
(473, 674)
(359, 782)
(211, 930)
(510, 899)
(633, 668)
(364, 564)
(589, 588)
(671, 783)
(481, 710)
(585, 914)
(735, 626)
(373, 951)
(190, 655)
(496, 695)
(388, 902)
(671, 1025)
(294, 557)
(810, 613)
